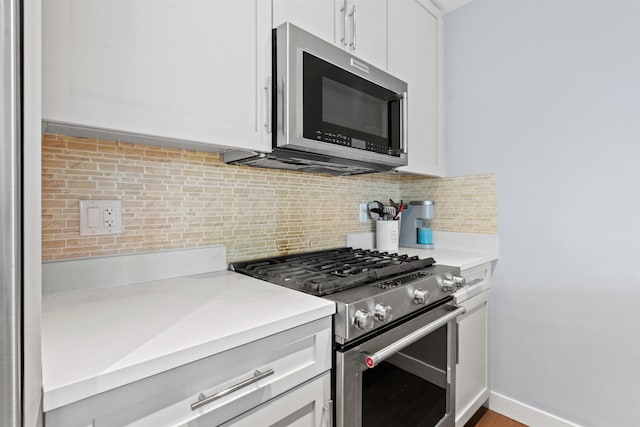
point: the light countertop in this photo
(448, 256)
(96, 340)
(464, 250)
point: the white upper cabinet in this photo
(362, 29)
(314, 16)
(358, 26)
(415, 55)
(192, 71)
(198, 71)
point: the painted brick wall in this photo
(175, 198)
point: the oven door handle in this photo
(373, 359)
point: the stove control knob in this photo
(363, 320)
(420, 296)
(383, 312)
(448, 285)
(459, 281)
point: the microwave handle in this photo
(404, 137)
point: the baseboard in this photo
(524, 413)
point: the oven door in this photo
(404, 376)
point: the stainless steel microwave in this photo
(331, 112)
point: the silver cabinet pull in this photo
(475, 281)
(267, 95)
(353, 27)
(457, 343)
(328, 413)
(284, 108)
(373, 359)
(404, 138)
(204, 400)
(343, 9)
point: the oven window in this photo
(409, 389)
(342, 108)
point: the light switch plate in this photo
(100, 217)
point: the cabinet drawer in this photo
(478, 280)
(477, 275)
(295, 356)
(305, 406)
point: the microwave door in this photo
(323, 107)
(340, 112)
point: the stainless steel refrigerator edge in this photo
(20, 289)
(10, 220)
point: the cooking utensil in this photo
(379, 212)
(389, 212)
(397, 216)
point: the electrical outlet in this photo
(109, 217)
(100, 217)
(364, 212)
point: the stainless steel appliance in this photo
(10, 217)
(414, 224)
(395, 333)
(331, 112)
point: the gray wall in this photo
(546, 94)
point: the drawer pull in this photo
(475, 281)
(204, 400)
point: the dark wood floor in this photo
(487, 418)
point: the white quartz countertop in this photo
(464, 250)
(96, 340)
(456, 257)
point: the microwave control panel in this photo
(347, 141)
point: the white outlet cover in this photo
(364, 212)
(109, 219)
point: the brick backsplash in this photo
(174, 198)
(462, 204)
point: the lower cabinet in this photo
(472, 369)
(261, 380)
(307, 405)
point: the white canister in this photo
(387, 236)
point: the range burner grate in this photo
(328, 271)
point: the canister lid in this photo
(422, 202)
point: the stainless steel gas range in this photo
(395, 331)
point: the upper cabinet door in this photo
(314, 16)
(362, 29)
(193, 71)
(415, 55)
(358, 26)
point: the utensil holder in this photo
(387, 233)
